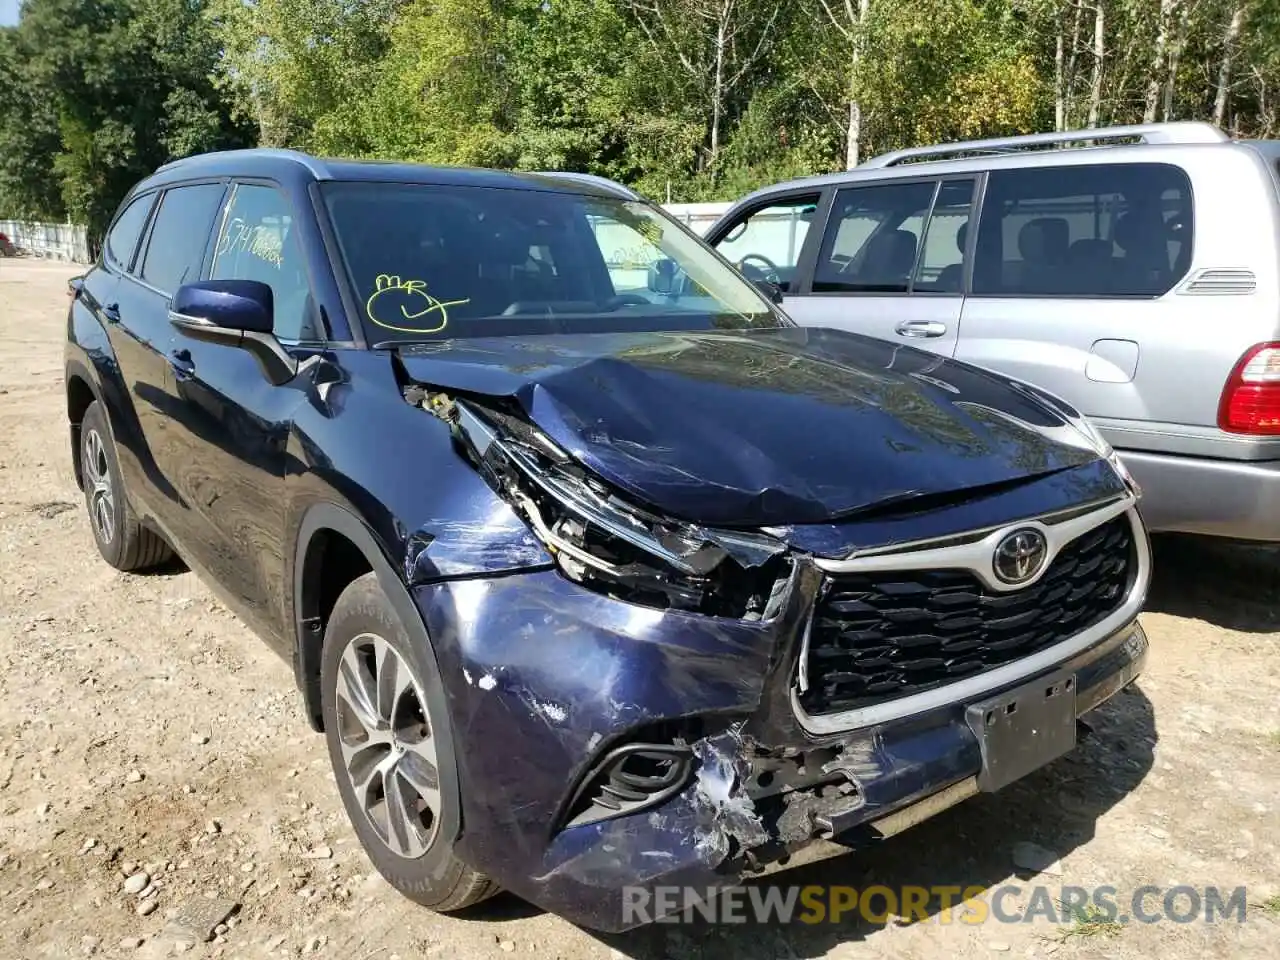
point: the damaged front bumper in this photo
(549, 683)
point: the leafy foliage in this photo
(98, 94)
(685, 99)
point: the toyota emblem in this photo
(1020, 556)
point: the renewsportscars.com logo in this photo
(878, 904)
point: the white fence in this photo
(58, 241)
(65, 241)
(698, 217)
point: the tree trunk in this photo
(1074, 50)
(1159, 60)
(1224, 69)
(717, 80)
(1059, 80)
(1175, 56)
(1099, 57)
(853, 144)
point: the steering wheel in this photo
(768, 272)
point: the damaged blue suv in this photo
(596, 572)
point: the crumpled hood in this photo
(763, 427)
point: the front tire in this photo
(122, 540)
(387, 731)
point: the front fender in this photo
(387, 477)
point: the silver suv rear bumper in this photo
(1220, 498)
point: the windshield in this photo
(432, 262)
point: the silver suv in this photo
(1134, 271)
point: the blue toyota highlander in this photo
(596, 572)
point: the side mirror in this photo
(665, 278)
(771, 290)
(232, 306)
(235, 313)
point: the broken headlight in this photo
(607, 544)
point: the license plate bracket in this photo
(1023, 729)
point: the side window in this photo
(941, 267)
(258, 242)
(873, 238)
(122, 238)
(178, 238)
(1084, 231)
(766, 243)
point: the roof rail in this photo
(314, 164)
(1179, 132)
(611, 185)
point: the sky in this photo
(8, 12)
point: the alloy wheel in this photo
(97, 474)
(388, 745)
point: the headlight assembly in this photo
(605, 543)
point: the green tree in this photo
(115, 88)
(292, 67)
(29, 137)
(939, 70)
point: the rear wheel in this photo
(392, 754)
(122, 540)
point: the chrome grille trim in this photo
(1010, 673)
(975, 552)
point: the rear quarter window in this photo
(122, 238)
(1105, 230)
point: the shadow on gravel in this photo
(170, 568)
(967, 846)
(1228, 584)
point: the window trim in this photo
(144, 232)
(325, 338)
(978, 179)
(803, 275)
(1131, 297)
(139, 256)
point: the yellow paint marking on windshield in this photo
(413, 293)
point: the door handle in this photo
(184, 367)
(111, 313)
(921, 329)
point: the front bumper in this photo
(543, 676)
(1220, 498)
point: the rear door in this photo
(1069, 271)
(141, 337)
(170, 256)
(101, 294)
(892, 262)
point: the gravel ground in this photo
(154, 759)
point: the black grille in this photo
(880, 636)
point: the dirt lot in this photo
(135, 711)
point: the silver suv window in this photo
(873, 242)
(1084, 231)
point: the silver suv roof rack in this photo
(1180, 132)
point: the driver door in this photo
(766, 241)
